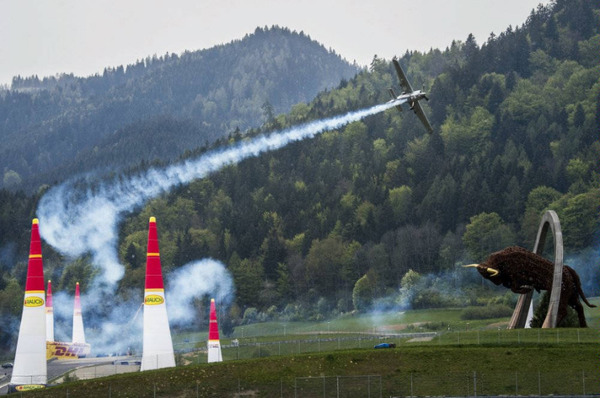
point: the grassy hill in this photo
(433, 370)
(466, 359)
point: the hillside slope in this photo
(335, 223)
(45, 124)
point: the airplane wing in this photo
(403, 80)
(419, 111)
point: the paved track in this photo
(57, 368)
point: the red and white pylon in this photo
(157, 344)
(214, 345)
(78, 333)
(29, 368)
(49, 314)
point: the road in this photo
(57, 368)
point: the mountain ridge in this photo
(48, 122)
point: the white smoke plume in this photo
(77, 223)
(585, 263)
(62, 305)
(120, 331)
(79, 218)
(194, 280)
(116, 333)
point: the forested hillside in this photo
(359, 216)
(157, 108)
(354, 210)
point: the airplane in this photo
(409, 95)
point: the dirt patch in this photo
(420, 339)
(501, 325)
(404, 326)
(392, 328)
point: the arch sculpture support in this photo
(519, 317)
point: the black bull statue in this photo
(521, 271)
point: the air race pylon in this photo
(78, 333)
(30, 371)
(49, 314)
(77, 348)
(214, 345)
(157, 344)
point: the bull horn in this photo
(491, 271)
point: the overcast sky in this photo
(47, 37)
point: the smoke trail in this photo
(77, 223)
(82, 218)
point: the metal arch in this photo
(519, 316)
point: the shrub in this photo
(362, 294)
(487, 312)
(435, 326)
(250, 316)
(433, 298)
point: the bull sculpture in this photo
(521, 271)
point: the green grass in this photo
(310, 357)
(433, 370)
(362, 323)
(413, 321)
(268, 346)
(398, 322)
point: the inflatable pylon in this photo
(78, 333)
(157, 343)
(49, 314)
(214, 345)
(30, 370)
